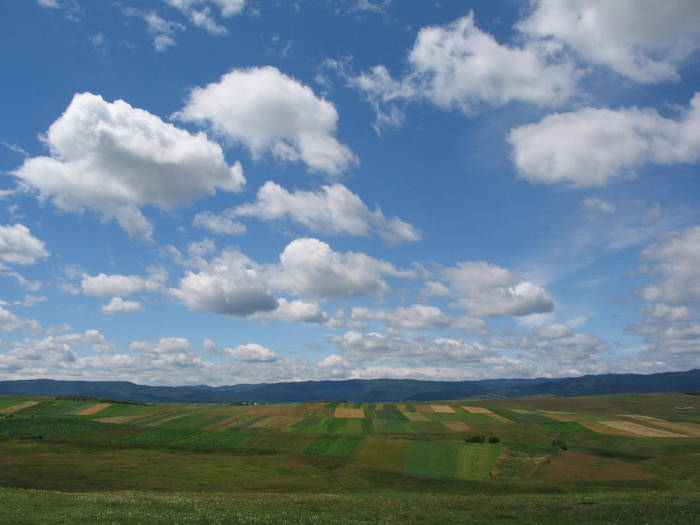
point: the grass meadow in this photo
(594, 459)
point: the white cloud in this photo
(419, 317)
(643, 40)
(19, 246)
(458, 66)
(269, 112)
(32, 300)
(251, 353)
(163, 31)
(334, 209)
(553, 331)
(230, 284)
(377, 347)
(200, 12)
(676, 260)
(311, 267)
(167, 352)
(296, 311)
(115, 159)
(119, 305)
(103, 285)
(9, 322)
(49, 3)
(593, 147)
(595, 205)
(484, 289)
(221, 223)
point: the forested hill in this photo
(364, 390)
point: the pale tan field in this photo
(680, 428)
(424, 408)
(356, 413)
(414, 416)
(120, 420)
(91, 411)
(442, 409)
(639, 430)
(599, 427)
(643, 418)
(477, 410)
(17, 408)
(456, 426)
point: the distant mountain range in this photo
(362, 390)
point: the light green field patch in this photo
(443, 459)
(390, 426)
(193, 421)
(334, 446)
(476, 460)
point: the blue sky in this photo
(231, 191)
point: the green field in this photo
(557, 451)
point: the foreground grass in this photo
(22, 507)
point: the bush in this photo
(559, 444)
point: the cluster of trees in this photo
(482, 439)
(97, 400)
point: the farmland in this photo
(636, 450)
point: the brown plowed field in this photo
(573, 466)
(456, 426)
(120, 420)
(276, 422)
(442, 409)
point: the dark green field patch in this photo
(45, 427)
(560, 426)
(321, 425)
(334, 446)
(158, 437)
(390, 412)
(193, 421)
(435, 459)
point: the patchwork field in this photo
(496, 446)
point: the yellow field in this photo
(414, 416)
(486, 411)
(91, 411)
(17, 408)
(442, 409)
(356, 413)
(477, 410)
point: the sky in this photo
(244, 191)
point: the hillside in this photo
(359, 390)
